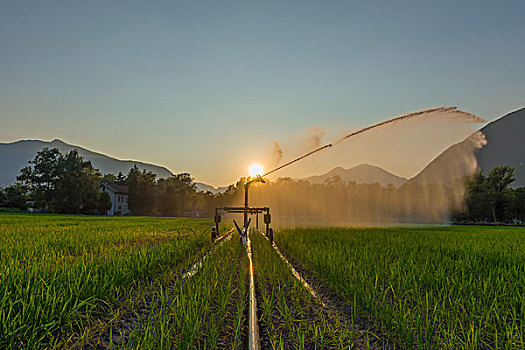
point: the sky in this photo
(206, 87)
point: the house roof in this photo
(116, 188)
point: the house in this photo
(119, 198)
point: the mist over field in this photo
(404, 145)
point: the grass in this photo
(290, 317)
(57, 272)
(70, 281)
(206, 311)
(446, 288)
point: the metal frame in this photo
(251, 210)
(246, 210)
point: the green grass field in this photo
(86, 282)
(202, 312)
(450, 287)
(57, 272)
(289, 316)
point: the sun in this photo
(256, 169)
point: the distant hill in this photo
(505, 145)
(361, 174)
(16, 155)
(208, 188)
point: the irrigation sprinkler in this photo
(245, 210)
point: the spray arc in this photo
(443, 112)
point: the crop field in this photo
(81, 282)
(58, 274)
(437, 288)
(204, 311)
(289, 316)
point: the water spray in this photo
(247, 210)
(297, 159)
(467, 116)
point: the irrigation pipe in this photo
(253, 328)
(218, 242)
(362, 342)
(296, 274)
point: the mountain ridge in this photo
(22, 151)
(360, 174)
(504, 145)
(504, 137)
(209, 188)
(16, 155)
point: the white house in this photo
(119, 198)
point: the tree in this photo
(91, 181)
(2, 197)
(141, 191)
(490, 197)
(133, 195)
(515, 208)
(519, 203)
(497, 183)
(69, 185)
(104, 203)
(121, 179)
(63, 184)
(41, 177)
(476, 197)
(15, 197)
(76, 189)
(108, 178)
(167, 198)
(500, 178)
(185, 189)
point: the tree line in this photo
(58, 183)
(490, 198)
(476, 198)
(68, 184)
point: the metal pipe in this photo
(195, 268)
(253, 328)
(246, 186)
(296, 274)
(217, 220)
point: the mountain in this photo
(503, 143)
(361, 174)
(15, 155)
(208, 188)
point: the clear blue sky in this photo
(205, 87)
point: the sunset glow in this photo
(255, 169)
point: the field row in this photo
(58, 273)
(139, 283)
(446, 287)
(150, 283)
